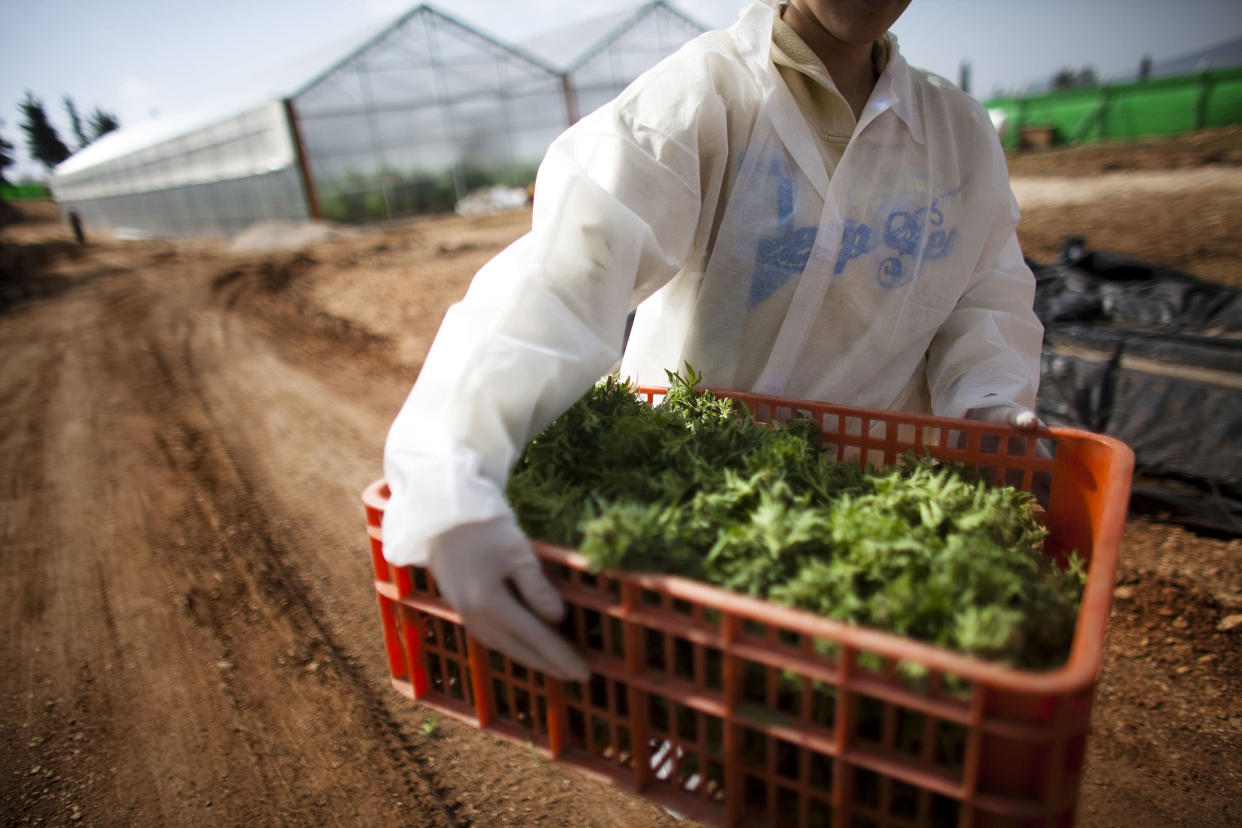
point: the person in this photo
(75, 224)
(792, 210)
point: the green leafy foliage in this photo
(362, 196)
(695, 487)
(42, 140)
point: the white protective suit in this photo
(699, 197)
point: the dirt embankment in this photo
(191, 633)
(1175, 202)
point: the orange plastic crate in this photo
(733, 711)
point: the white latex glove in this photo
(1013, 415)
(472, 564)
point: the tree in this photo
(1068, 78)
(99, 122)
(6, 159)
(1145, 68)
(102, 122)
(76, 121)
(41, 139)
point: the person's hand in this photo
(1012, 415)
(1021, 418)
(471, 565)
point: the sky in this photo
(140, 59)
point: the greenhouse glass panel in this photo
(603, 71)
(434, 109)
(339, 92)
(217, 208)
(326, 137)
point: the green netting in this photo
(24, 192)
(1120, 112)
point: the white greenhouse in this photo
(409, 121)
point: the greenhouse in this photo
(408, 120)
(618, 48)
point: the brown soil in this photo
(1207, 148)
(191, 633)
(1175, 202)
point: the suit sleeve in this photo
(987, 351)
(617, 204)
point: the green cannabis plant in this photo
(694, 486)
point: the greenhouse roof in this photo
(291, 78)
(287, 79)
(273, 84)
(327, 64)
(143, 134)
(593, 34)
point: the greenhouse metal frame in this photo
(407, 122)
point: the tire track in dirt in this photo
(30, 722)
(202, 644)
(59, 645)
(283, 586)
(226, 496)
(485, 783)
(125, 504)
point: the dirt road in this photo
(164, 463)
(191, 634)
(190, 630)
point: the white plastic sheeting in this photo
(252, 142)
(166, 179)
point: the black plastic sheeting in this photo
(1152, 356)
